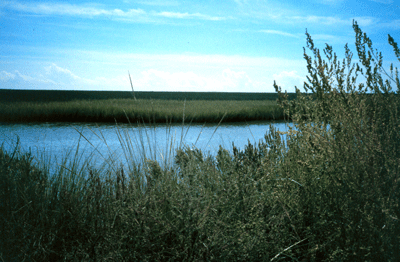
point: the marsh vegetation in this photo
(329, 191)
(141, 110)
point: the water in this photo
(52, 142)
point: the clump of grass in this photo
(195, 209)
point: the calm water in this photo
(54, 141)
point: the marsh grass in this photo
(326, 190)
(149, 111)
(20, 95)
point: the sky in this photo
(176, 45)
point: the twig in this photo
(286, 249)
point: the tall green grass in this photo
(150, 111)
(329, 191)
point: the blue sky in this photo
(176, 45)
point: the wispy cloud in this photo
(366, 21)
(240, 2)
(330, 20)
(282, 16)
(332, 2)
(320, 20)
(94, 11)
(155, 2)
(277, 32)
(68, 9)
(324, 37)
(162, 73)
(285, 14)
(388, 2)
(6, 76)
(54, 77)
(331, 39)
(189, 16)
(16, 78)
(55, 69)
(289, 79)
(394, 24)
(227, 80)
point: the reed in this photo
(124, 110)
(20, 95)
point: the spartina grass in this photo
(130, 110)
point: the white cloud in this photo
(189, 72)
(194, 72)
(54, 77)
(162, 80)
(69, 9)
(332, 2)
(288, 80)
(324, 37)
(387, 2)
(22, 80)
(321, 20)
(227, 80)
(333, 21)
(394, 24)
(6, 76)
(235, 80)
(53, 69)
(31, 79)
(267, 10)
(365, 21)
(156, 2)
(47, 8)
(189, 16)
(240, 2)
(276, 32)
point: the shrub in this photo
(345, 153)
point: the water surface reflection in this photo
(53, 141)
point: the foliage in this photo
(345, 152)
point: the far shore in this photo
(142, 110)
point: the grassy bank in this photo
(329, 191)
(155, 111)
(9, 95)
